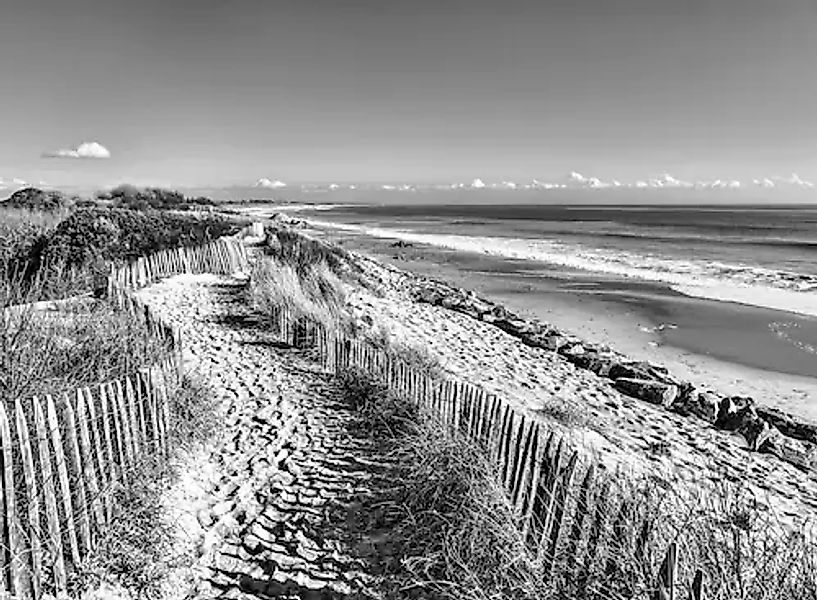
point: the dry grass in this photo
(456, 536)
(51, 353)
(137, 551)
(313, 292)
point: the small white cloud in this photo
(269, 184)
(577, 177)
(477, 184)
(84, 150)
(765, 182)
(795, 180)
(17, 181)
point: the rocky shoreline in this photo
(765, 429)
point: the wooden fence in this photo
(60, 459)
(567, 504)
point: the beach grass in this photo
(455, 534)
(311, 292)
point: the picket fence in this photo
(60, 459)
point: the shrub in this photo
(40, 200)
(133, 198)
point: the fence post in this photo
(62, 471)
(668, 574)
(18, 576)
(50, 497)
(88, 459)
(32, 499)
(96, 446)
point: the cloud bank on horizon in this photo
(576, 180)
(90, 150)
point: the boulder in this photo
(789, 425)
(653, 392)
(627, 370)
(755, 431)
(701, 403)
(733, 411)
(802, 455)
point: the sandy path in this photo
(622, 430)
(286, 465)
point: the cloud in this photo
(269, 184)
(795, 180)
(477, 184)
(84, 150)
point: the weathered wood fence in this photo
(60, 459)
(568, 505)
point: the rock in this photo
(653, 392)
(205, 518)
(733, 411)
(755, 431)
(796, 452)
(701, 403)
(627, 370)
(789, 425)
(402, 244)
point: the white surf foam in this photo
(743, 284)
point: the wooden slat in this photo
(18, 576)
(668, 574)
(87, 451)
(124, 423)
(558, 508)
(97, 444)
(32, 501)
(62, 476)
(71, 433)
(54, 539)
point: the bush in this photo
(40, 200)
(133, 198)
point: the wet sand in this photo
(732, 348)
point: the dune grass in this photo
(311, 292)
(455, 535)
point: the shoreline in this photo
(637, 329)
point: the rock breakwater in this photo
(765, 429)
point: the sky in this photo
(220, 93)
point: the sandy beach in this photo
(656, 327)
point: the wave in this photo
(744, 284)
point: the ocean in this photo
(747, 272)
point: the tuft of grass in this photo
(313, 293)
(451, 531)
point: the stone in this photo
(733, 411)
(627, 370)
(789, 425)
(701, 403)
(653, 392)
(795, 452)
(755, 431)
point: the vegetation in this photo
(150, 198)
(71, 253)
(451, 533)
(313, 292)
(35, 199)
